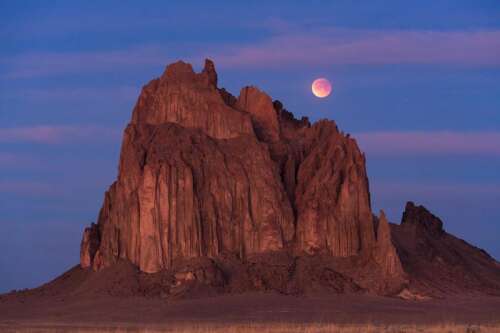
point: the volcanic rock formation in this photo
(245, 196)
(439, 263)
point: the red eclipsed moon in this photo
(321, 88)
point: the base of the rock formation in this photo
(436, 265)
(120, 296)
(102, 312)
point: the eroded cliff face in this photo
(191, 100)
(385, 253)
(438, 263)
(182, 194)
(205, 174)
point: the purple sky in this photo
(417, 84)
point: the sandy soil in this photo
(269, 309)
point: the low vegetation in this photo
(262, 328)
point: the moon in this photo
(321, 88)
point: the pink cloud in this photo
(444, 142)
(15, 160)
(337, 46)
(75, 94)
(288, 46)
(422, 190)
(58, 134)
(52, 63)
(28, 188)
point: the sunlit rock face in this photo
(191, 100)
(331, 195)
(205, 174)
(260, 106)
(183, 194)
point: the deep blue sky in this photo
(417, 82)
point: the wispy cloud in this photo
(341, 46)
(74, 95)
(56, 63)
(463, 201)
(441, 142)
(395, 188)
(285, 47)
(15, 160)
(58, 134)
(33, 188)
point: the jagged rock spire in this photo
(419, 217)
(386, 254)
(209, 71)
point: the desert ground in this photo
(257, 312)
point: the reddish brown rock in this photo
(289, 126)
(420, 219)
(332, 198)
(210, 73)
(89, 245)
(264, 116)
(182, 194)
(234, 194)
(439, 263)
(205, 175)
(385, 253)
(192, 100)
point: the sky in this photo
(416, 82)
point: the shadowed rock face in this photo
(204, 175)
(89, 245)
(385, 253)
(420, 219)
(438, 263)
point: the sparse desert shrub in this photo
(260, 328)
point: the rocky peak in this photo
(191, 100)
(209, 72)
(179, 71)
(182, 72)
(89, 245)
(260, 106)
(288, 124)
(383, 229)
(385, 253)
(420, 218)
